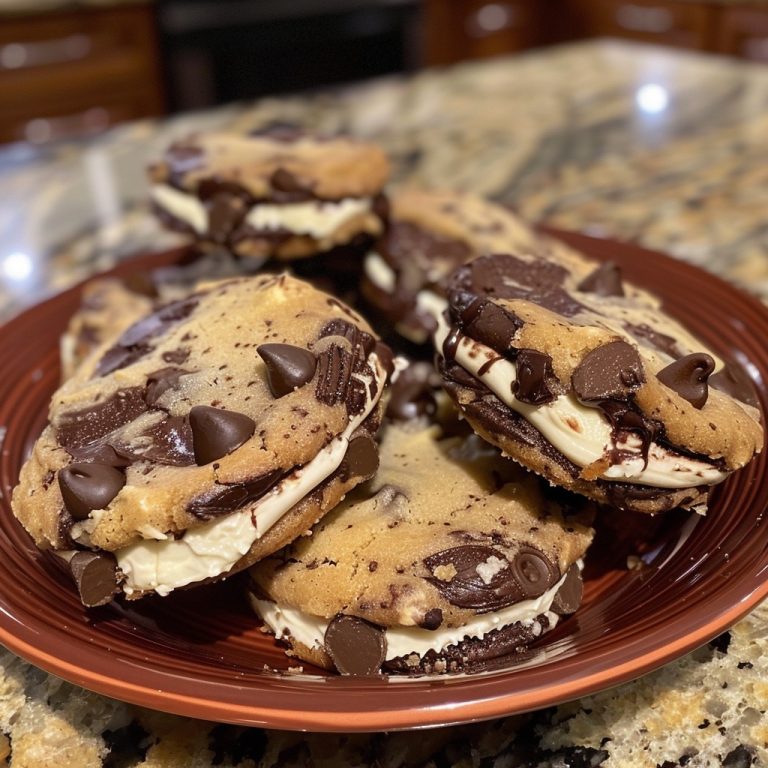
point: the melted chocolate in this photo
(171, 443)
(135, 341)
(229, 498)
(503, 276)
(536, 381)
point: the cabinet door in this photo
(664, 22)
(471, 29)
(743, 31)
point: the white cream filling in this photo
(181, 206)
(582, 434)
(213, 548)
(403, 641)
(316, 218)
(379, 272)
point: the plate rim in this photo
(354, 719)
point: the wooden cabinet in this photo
(743, 31)
(463, 29)
(472, 29)
(664, 22)
(75, 73)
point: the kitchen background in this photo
(73, 69)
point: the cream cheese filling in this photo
(317, 218)
(310, 630)
(211, 549)
(582, 434)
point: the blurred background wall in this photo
(72, 69)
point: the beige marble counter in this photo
(664, 148)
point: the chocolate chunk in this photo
(485, 321)
(534, 378)
(568, 597)
(605, 280)
(289, 188)
(288, 367)
(177, 356)
(356, 646)
(77, 429)
(412, 395)
(363, 344)
(85, 487)
(95, 575)
(333, 376)
(613, 370)
(654, 338)
(688, 377)
(506, 277)
(734, 381)
(433, 618)
(474, 576)
(740, 757)
(134, 344)
(171, 443)
(159, 382)
(216, 432)
(226, 212)
(361, 459)
(534, 572)
(232, 497)
(102, 454)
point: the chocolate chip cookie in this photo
(285, 196)
(450, 558)
(583, 379)
(430, 234)
(210, 433)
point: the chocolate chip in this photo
(533, 571)
(288, 367)
(688, 377)
(216, 432)
(361, 459)
(95, 575)
(613, 370)
(568, 597)
(605, 280)
(432, 620)
(535, 377)
(474, 576)
(356, 646)
(85, 487)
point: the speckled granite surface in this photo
(664, 148)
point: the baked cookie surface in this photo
(585, 380)
(208, 434)
(271, 196)
(450, 557)
(430, 234)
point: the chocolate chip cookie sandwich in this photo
(586, 381)
(271, 196)
(449, 559)
(430, 234)
(209, 434)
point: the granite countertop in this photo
(664, 148)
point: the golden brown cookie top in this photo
(447, 528)
(197, 409)
(294, 168)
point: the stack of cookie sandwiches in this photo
(418, 505)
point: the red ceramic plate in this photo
(201, 654)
